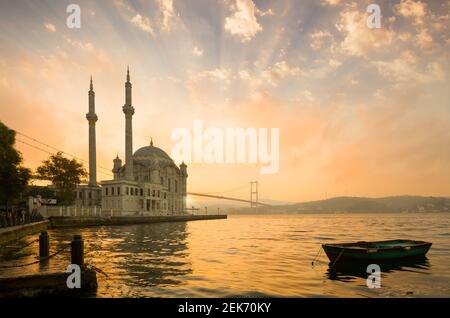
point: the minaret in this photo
(128, 110)
(92, 119)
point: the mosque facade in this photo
(147, 183)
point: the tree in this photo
(13, 177)
(64, 174)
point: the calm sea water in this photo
(250, 256)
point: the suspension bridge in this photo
(254, 196)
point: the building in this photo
(149, 183)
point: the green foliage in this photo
(13, 177)
(64, 174)
(43, 191)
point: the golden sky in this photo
(361, 112)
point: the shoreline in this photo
(73, 222)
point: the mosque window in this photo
(158, 193)
(90, 195)
(118, 190)
(127, 191)
(106, 191)
(142, 192)
(169, 183)
(176, 186)
(112, 190)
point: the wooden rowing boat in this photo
(376, 251)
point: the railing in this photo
(78, 211)
(14, 217)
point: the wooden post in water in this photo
(77, 251)
(44, 246)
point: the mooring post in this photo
(44, 246)
(77, 252)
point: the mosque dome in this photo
(151, 153)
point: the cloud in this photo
(359, 39)
(50, 27)
(279, 71)
(318, 37)
(142, 23)
(331, 2)
(78, 44)
(307, 96)
(197, 52)
(168, 13)
(424, 39)
(406, 68)
(268, 12)
(334, 63)
(209, 87)
(412, 9)
(243, 22)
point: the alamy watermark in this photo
(374, 278)
(74, 18)
(228, 146)
(74, 279)
(374, 18)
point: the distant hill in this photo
(360, 205)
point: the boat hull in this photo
(377, 251)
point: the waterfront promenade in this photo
(15, 232)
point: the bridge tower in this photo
(254, 194)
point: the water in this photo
(249, 256)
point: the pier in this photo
(51, 283)
(12, 233)
(70, 222)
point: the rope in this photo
(38, 261)
(319, 253)
(22, 247)
(337, 258)
(98, 270)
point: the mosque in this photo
(149, 183)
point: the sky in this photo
(360, 111)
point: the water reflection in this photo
(346, 271)
(139, 256)
(247, 256)
(156, 255)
